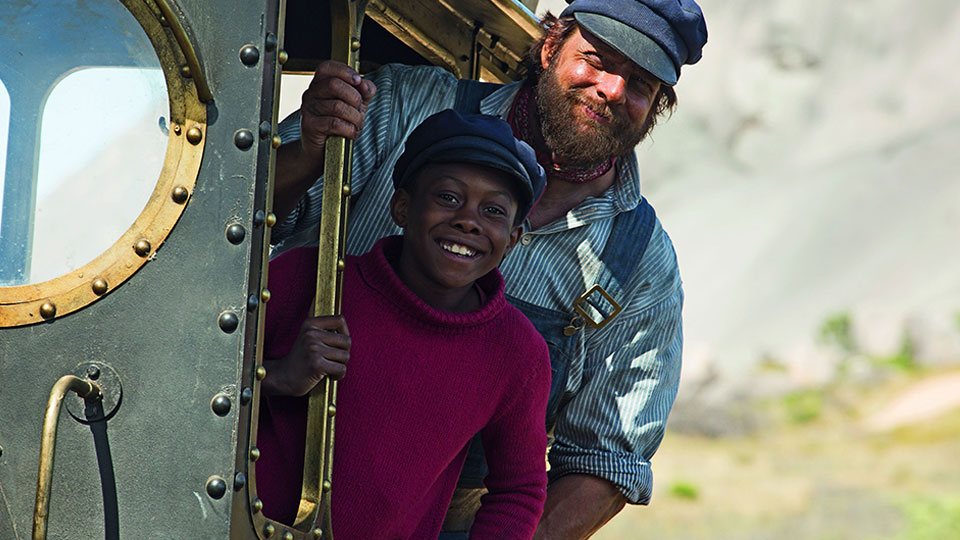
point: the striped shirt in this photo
(623, 378)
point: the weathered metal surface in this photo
(170, 447)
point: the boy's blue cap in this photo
(448, 136)
(659, 35)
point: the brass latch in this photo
(606, 313)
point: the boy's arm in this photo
(515, 445)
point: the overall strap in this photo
(628, 240)
(470, 93)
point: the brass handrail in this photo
(189, 53)
(89, 391)
(345, 21)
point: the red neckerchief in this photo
(519, 120)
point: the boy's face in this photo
(458, 222)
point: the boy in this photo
(436, 353)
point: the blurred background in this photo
(809, 182)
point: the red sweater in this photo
(420, 383)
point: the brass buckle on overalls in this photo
(607, 316)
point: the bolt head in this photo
(216, 487)
(220, 405)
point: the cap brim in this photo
(631, 43)
(477, 151)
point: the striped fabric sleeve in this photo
(615, 423)
(405, 96)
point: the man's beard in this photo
(560, 124)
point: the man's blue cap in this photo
(659, 35)
(448, 136)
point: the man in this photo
(598, 79)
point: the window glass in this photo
(85, 121)
(103, 136)
(292, 87)
(4, 130)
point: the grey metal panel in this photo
(159, 332)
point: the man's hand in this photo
(321, 350)
(334, 104)
(577, 506)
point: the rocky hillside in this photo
(810, 175)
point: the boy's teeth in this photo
(458, 249)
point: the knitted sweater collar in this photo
(377, 272)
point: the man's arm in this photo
(333, 105)
(607, 434)
(577, 506)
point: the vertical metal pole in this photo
(346, 19)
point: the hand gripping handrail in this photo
(89, 391)
(345, 22)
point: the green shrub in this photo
(930, 518)
(804, 405)
(905, 357)
(684, 490)
(837, 330)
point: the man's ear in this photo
(399, 205)
(547, 52)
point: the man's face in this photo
(593, 102)
(458, 222)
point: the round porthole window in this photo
(101, 135)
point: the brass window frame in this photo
(38, 302)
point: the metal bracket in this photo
(606, 316)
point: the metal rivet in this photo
(179, 194)
(256, 506)
(252, 302)
(261, 373)
(264, 129)
(318, 533)
(269, 529)
(270, 43)
(259, 217)
(271, 219)
(48, 310)
(99, 286)
(287, 536)
(331, 410)
(327, 486)
(254, 453)
(276, 141)
(354, 44)
(163, 21)
(176, 128)
(194, 135)
(239, 480)
(265, 296)
(142, 247)
(249, 55)
(216, 487)
(346, 190)
(246, 395)
(282, 57)
(228, 321)
(236, 233)
(220, 405)
(243, 138)
(341, 264)
(185, 72)
(93, 373)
